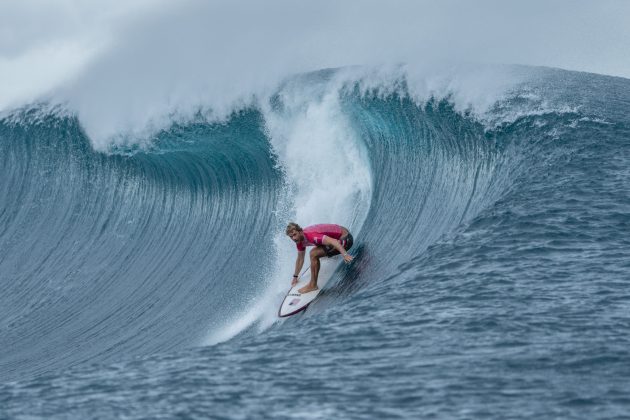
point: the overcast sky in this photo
(156, 51)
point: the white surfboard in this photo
(295, 302)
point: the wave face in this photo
(490, 251)
(129, 252)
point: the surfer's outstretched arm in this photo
(337, 245)
(299, 262)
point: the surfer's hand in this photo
(294, 281)
(347, 258)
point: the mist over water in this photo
(130, 70)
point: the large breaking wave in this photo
(176, 241)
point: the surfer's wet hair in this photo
(293, 226)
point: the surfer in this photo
(328, 240)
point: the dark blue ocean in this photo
(491, 277)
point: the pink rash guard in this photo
(314, 235)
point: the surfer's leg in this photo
(315, 254)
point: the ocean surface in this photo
(491, 272)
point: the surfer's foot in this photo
(307, 288)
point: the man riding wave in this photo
(328, 239)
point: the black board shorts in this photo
(346, 243)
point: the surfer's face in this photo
(296, 236)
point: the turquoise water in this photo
(490, 277)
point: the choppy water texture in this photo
(491, 277)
